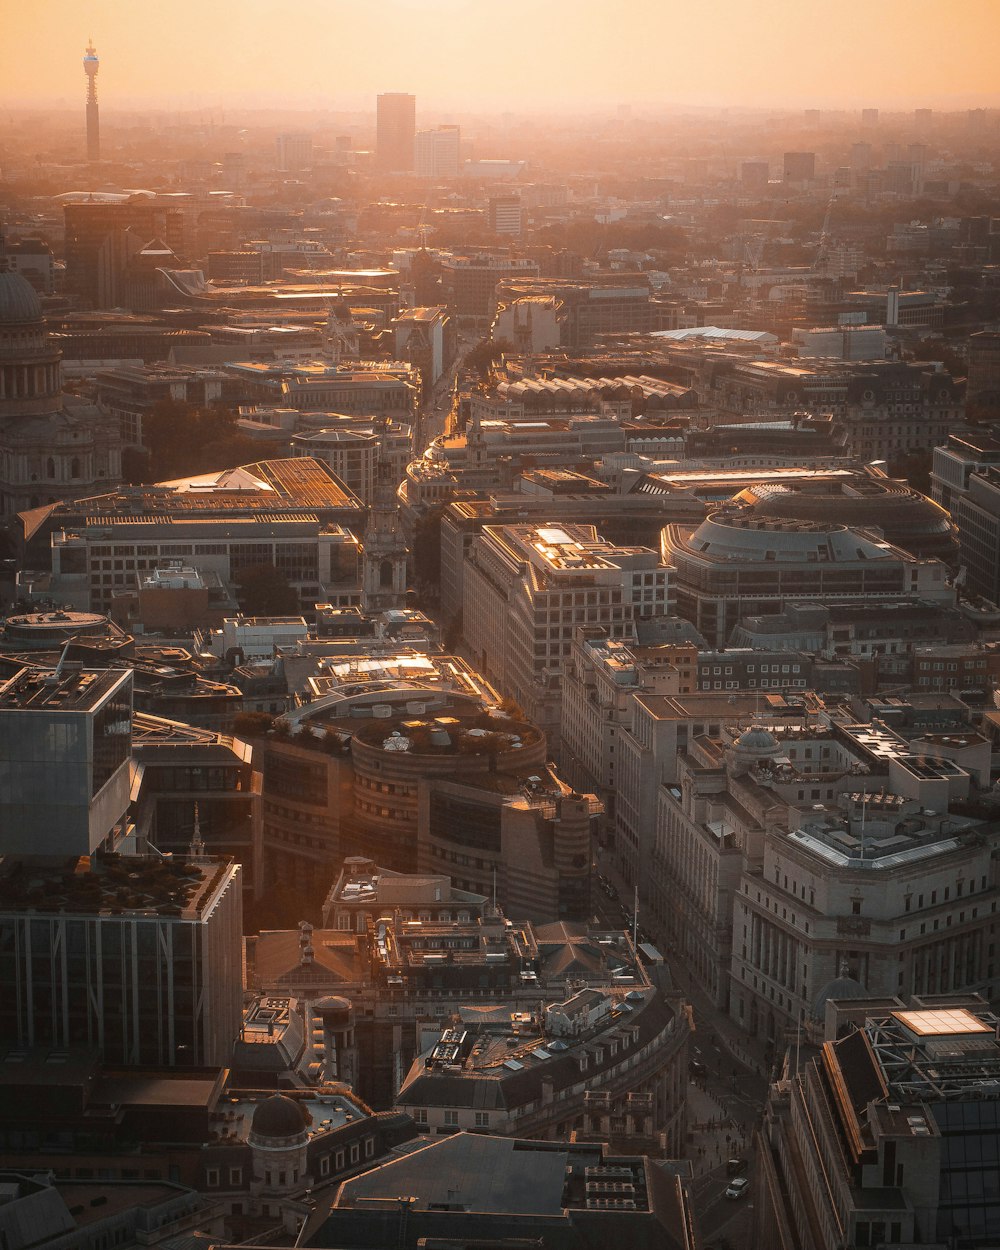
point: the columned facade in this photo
(52, 447)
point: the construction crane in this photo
(824, 234)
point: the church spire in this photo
(384, 552)
(197, 848)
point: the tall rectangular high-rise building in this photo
(800, 166)
(504, 214)
(137, 958)
(437, 152)
(98, 244)
(396, 128)
(65, 742)
(294, 151)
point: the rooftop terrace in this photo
(72, 690)
(111, 885)
(879, 832)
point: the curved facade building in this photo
(605, 1060)
(863, 500)
(42, 630)
(425, 773)
(353, 455)
(393, 758)
(736, 564)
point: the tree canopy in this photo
(265, 591)
(485, 354)
(182, 439)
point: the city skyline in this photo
(500, 625)
(776, 54)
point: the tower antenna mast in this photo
(91, 65)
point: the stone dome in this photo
(333, 1002)
(18, 300)
(757, 741)
(278, 1116)
(839, 987)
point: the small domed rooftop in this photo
(278, 1116)
(333, 1002)
(757, 741)
(839, 987)
(19, 301)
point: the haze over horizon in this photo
(454, 54)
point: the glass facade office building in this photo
(65, 743)
(139, 959)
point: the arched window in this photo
(50, 467)
(385, 575)
(74, 468)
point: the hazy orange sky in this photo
(509, 54)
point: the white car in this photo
(738, 1188)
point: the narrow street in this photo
(727, 1084)
(434, 411)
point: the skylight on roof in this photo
(942, 1022)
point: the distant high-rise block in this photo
(234, 168)
(437, 152)
(294, 151)
(90, 67)
(97, 244)
(869, 117)
(799, 166)
(505, 214)
(396, 128)
(984, 369)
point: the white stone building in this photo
(527, 589)
(52, 446)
